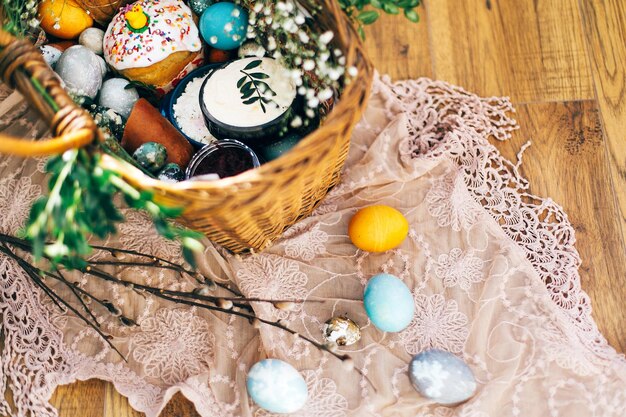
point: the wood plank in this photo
(400, 48)
(567, 162)
(179, 406)
(115, 405)
(605, 30)
(82, 398)
(528, 50)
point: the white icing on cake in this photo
(222, 97)
(170, 29)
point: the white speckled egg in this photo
(388, 303)
(80, 69)
(251, 48)
(114, 95)
(50, 54)
(277, 386)
(92, 38)
(442, 377)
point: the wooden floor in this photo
(563, 63)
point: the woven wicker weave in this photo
(243, 212)
(102, 11)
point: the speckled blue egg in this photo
(224, 25)
(277, 386)
(388, 303)
(442, 377)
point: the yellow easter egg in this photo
(63, 18)
(378, 228)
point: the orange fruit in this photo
(63, 18)
(378, 228)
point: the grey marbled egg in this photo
(341, 331)
(80, 69)
(442, 377)
(104, 68)
(92, 38)
(114, 95)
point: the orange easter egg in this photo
(63, 18)
(378, 228)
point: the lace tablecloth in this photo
(493, 271)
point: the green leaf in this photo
(252, 100)
(368, 17)
(408, 4)
(391, 8)
(190, 257)
(253, 64)
(241, 81)
(412, 15)
(259, 76)
(246, 94)
(361, 32)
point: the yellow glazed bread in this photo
(155, 42)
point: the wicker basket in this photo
(243, 212)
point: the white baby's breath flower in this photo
(327, 37)
(308, 65)
(325, 94)
(304, 38)
(296, 122)
(271, 43)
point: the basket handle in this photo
(22, 67)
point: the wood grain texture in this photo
(526, 49)
(83, 398)
(115, 405)
(543, 54)
(400, 48)
(605, 29)
(567, 162)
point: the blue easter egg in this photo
(442, 377)
(277, 386)
(224, 25)
(388, 303)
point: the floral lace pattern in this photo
(492, 269)
(437, 323)
(449, 205)
(16, 197)
(173, 345)
(304, 244)
(459, 268)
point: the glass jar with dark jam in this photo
(225, 158)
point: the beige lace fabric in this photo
(493, 271)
